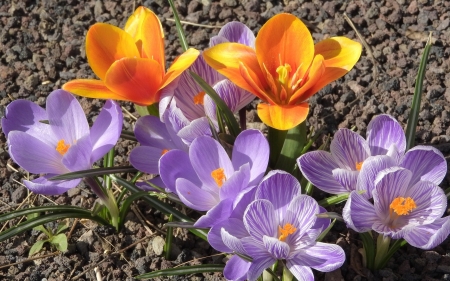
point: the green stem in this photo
(369, 250)
(169, 238)
(287, 274)
(276, 140)
(382, 250)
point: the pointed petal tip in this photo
(283, 117)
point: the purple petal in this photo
(45, 187)
(66, 117)
(243, 199)
(78, 157)
(431, 202)
(251, 147)
(150, 131)
(24, 116)
(429, 236)
(194, 197)
(322, 257)
(237, 32)
(147, 187)
(34, 155)
(198, 127)
(426, 163)
(232, 242)
(174, 123)
(221, 211)
(300, 272)
(215, 40)
(317, 167)
(369, 171)
(106, 130)
(348, 149)
(236, 183)
(382, 132)
(234, 97)
(236, 269)
(146, 159)
(358, 213)
(176, 164)
(208, 155)
(260, 219)
(346, 178)
(278, 249)
(234, 227)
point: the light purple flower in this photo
(205, 179)
(66, 144)
(280, 224)
(351, 155)
(401, 208)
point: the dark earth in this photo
(42, 47)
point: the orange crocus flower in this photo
(285, 68)
(131, 62)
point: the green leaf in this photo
(333, 200)
(147, 110)
(126, 204)
(127, 135)
(184, 270)
(36, 247)
(369, 249)
(61, 227)
(108, 162)
(95, 172)
(415, 106)
(325, 232)
(60, 242)
(292, 148)
(169, 238)
(231, 122)
(181, 36)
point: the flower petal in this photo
(106, 130)
(195, 197)
(260, 219)
(150, 131)
(428, 236)
(90, 88)
(218, 213)
(315, 73)
(227, 243)
(369, 171)
(105, 44)
(283, 117)
(237, 32)
(284, 39)
(146, 159)
(426, 163)
(251, 147)
(135, 79)
(321, 256)
(278, 249)
(236, 183)
(382, 132)
(431, 202)
(346, 178)
(176, 164)
(358, 213)
(180, 64)
(234, 97)
(45, 187)
(349, 149)
(198, 127)
(78, 157)
(300, 272)
(301, 214)
(236, 269)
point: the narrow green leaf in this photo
(147, 110)
(54, 209)
(95, 172)
(231, 122)
(127, 135)
(108, 162)
(325, 232)
(181, 36)
(36, 247)
(369, 249)
(169, 238)
(415, 106)
(394, 247)
(184, 270)
(181, 224)
(125, 207)
(333, 200)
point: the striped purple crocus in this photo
(58, 140)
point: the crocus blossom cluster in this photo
(58, 140)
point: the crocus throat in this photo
(402, 206)
(219, 176)
(358, 166)
(285, 231)
(198, 98)
(164, 151)
(62, 147)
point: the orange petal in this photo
(284, 39)
(340, 56)
(180, 64)
(314, 75)
(105, 44)
(230, 58)
(135, 79)
(283, 117)
(89, 88)
(144, 26)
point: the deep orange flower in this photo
(285, 68)
(130, 63)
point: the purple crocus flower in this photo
(351, 155)
(401, 208)
(205, 179)
(280, 224)
(65, 144)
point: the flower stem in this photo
(382, 250)
(287, 274)
(276, 141)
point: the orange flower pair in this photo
(285, 68)
(131, 62)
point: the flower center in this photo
(164, 151)
(285, 231)
(62, 147)
(402, 206)
(219, 176)
(358, 165)
(198, 98)
(283, 73)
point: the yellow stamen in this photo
(62, 147)
(402, 206)
(219, 176)
(285, 231)
(283, 73)
(164, 151)
(198, 98)
(358, 165)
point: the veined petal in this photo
(260, 219)
(321, 256)
(358, 213)
(195, 197)
(428, 236)
(237, 32)
(236, 269)
(234, 97)
(90, 88)
(278, 249)
(369, 171)
(346, 178)
(236, 183)
(218, 213)
(176, 164)
(300, 272)
(145, 28)
(383, 131)
(284, 39)
(146, 159)
(315, 72)
(198, 127)
(45, 187)
(78, 157)
(105, 44)
(426, 163)
(150, 131)
(235, 228)
(349, 149)
(430, 200)
(135, 79)
(179, 65)
(283, 117)
(301, 214)
(340, 55)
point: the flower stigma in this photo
(198, 98)
(219, 176)
(285, 231)
(164, 151)
(358, 165)
(62, 147)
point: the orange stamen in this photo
(164, 151)
(358, 165)
(402, 206)
(219, 176)
(198, 98)
(285, 231)
(62, 147)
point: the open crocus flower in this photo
(207, 180)
(354, 162)
(65, 144)
(130, 63)
(279, 226)
(401, 209)
(285, 68)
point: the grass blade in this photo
(184, 270)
